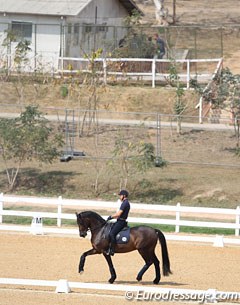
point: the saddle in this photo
(122, 237)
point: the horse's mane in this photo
(91, 214)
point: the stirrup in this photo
(109, 252)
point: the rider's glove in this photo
(109, 218)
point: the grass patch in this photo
(164, 228)
(28, 220)
(17, 220)
(192, 230)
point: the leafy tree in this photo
(93, 85)
(224, 93)
(21, 54)
(134, 19)
(135, 44)
(21, 49)
(26, 138)
(20, 58)
(179, 103)
(133, 157)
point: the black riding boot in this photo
(111, 249)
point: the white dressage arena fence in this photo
(176, 212)
(136, 292)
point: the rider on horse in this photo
(121, 215)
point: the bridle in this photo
(87, 228)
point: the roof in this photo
(130, 5)
(53, 7)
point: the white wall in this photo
(109, 12)
(47, 42)
(45, 37)
(3, 51)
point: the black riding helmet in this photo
(124, 193)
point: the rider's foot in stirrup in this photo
(110, 252)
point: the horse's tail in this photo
(165, 257)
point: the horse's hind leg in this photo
(111, 268)
(157, 270)
(142, 271)
(148, 263)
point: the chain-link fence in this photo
(75, 40)
(106, 135)
(99, 134)
(200, 42)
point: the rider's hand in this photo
(109, 218)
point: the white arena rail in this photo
(175, 211)
(216, 241)
(133, 292)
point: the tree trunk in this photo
(179, 125)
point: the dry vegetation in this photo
(210, 174)
(207, 176)
(196, 12)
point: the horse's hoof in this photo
(80, 271)
(156, 282)
(138, 279)
(111, 280)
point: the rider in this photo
(121, 215)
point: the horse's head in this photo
(89, 220)
(82, 225)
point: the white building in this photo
(62, 27)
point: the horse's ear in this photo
(77, 214)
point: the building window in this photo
(87, 28)
(69, 28)
(102, 27)
(22, 30)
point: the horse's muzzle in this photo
(83, 234)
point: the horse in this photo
(142, 238)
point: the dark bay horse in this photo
(142, 238)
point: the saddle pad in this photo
(123, 236)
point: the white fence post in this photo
(188, 73)
(200, 110)
(59, 218)
(175, 222)
(1, 206)
(105, 71)
(177, 227)
(153, 72)
(237, 220)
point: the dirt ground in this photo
(194, 266)
(194, 11)
(199, 12)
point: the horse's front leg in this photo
(111, 268)
(83, 258)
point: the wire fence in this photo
(77, 40)
(96, 135)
